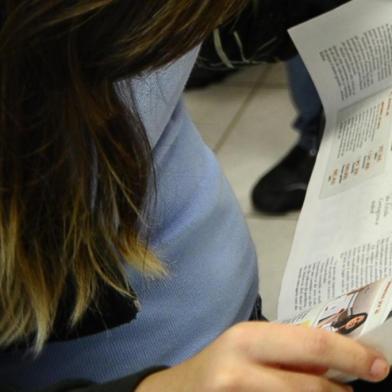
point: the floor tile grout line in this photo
(267, 75)
(264, 83)
(267, 218)
(249, 82)
(264, 75)
(273, 87)
(261, 81)
(226, 134)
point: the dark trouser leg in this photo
(283, 188)
(308, 104)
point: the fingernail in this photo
(380, 368)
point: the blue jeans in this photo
(306, 99)
(308, 104)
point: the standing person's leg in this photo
(308, 104)
(283, 188)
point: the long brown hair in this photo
(75, 163)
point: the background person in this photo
(283, 188)
(260, 35)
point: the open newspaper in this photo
(340, 266)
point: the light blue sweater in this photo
(197, 229)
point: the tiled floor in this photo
(247, 121)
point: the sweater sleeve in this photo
(126, 384)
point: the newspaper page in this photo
(344, 235)
(364, 314)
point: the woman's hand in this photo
(268, 357)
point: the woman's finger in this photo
(301, 347)
(273, 380)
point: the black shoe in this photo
(283, 188)
(201, 77)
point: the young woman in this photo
(343, 322)
(124, 259)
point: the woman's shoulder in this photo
(156, 94)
